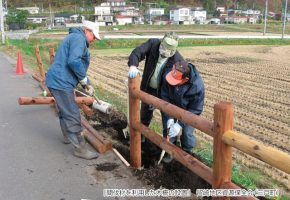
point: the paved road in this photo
(34, 164)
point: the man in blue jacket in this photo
(182, 86)
(69, 68)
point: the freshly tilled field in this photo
(255, 78)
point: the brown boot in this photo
(82, 150)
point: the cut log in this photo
(50, 100)
(104, 141)
(97, 144)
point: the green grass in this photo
(272, 27)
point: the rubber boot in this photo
(65, 138)
(82, 150)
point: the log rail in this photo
(224, 138)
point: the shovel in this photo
(162, 153)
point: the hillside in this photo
(274, 5)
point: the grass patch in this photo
(132, 43)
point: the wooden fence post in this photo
(39, 62)
(222, 153)
(51, 55)
(134, 117)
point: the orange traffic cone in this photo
(19, 65)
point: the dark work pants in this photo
(147, 110)
(152, 151)
(69, 113)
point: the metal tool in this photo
(162, 153)
(98, 104)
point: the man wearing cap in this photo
(69, 68)
(182, 86)
(157, 54)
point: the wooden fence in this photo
(224, 138)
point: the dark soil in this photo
(170, 176)
(106, 166)
(116, 120)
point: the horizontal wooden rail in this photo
(185, 116)
(269, 155)
(50, 100)
(186, 159)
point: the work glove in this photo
(170, 122)
(90, 90)
(174, 130)
(133, 72)
(84, 82)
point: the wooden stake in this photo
(51, 55)
(39, 62)
(222, 153)
(121, 157)
(134, 114)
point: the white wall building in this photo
(31, 10)
(37, 19)
(251, 12)
(103, 15)
(221, 9)
(198, 15)
(180, 15)
(102, 10)
(76, 16)
(123, 20)
(151, 13)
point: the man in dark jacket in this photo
(69, 68)
(158, 54)
(182, 86)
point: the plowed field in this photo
(255, 78)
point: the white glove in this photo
(84, 81)
(174, 130)
(90, 90)
(170, 122)
(133, 71)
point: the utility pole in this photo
(265, 18)
(285, 17)
(51, 20)
(2, 22)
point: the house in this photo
(198, 15)
(232, 12)
(251, 12)
(181, 15)
(37, 19)
(62, 18)
(115, 5)
(221, 9)
(252, 20)
(77, 18)
(161, 20)
(236, 20)
(31, 10)
(151, 13)
(103, 15)
(128, 11)
(123, 20)
(214, 21)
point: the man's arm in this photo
(139, 53)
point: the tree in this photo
(17, 18)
